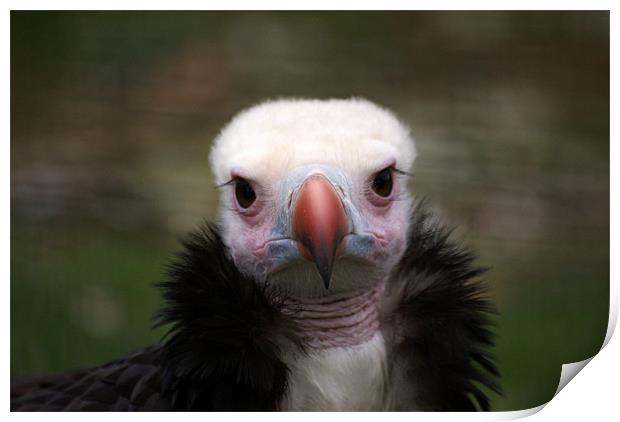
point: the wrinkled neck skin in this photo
(339, 320)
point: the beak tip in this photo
(326, 283)
(326, 275)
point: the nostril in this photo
(290, 199)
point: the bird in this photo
(324, 284)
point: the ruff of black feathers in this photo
(223, 349)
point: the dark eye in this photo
(382, 183)
(244, 193)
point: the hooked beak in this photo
(319, 224)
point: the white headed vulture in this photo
(323, 286)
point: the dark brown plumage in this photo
(131, 383)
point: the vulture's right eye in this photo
(244, 193)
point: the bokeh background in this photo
(112, 115)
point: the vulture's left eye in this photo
(382, 183)
(244, 193)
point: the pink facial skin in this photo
(249, 229)
(386, 218)
(252, 232)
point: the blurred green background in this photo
(112, 116)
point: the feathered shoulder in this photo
(440, 323)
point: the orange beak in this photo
(320, 224)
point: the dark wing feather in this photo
(439, 324)
(132, 383)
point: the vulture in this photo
(323, 285)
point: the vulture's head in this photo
(313, 193)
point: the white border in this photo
(594, 391)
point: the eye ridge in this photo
(383, 183)
(244, 193)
